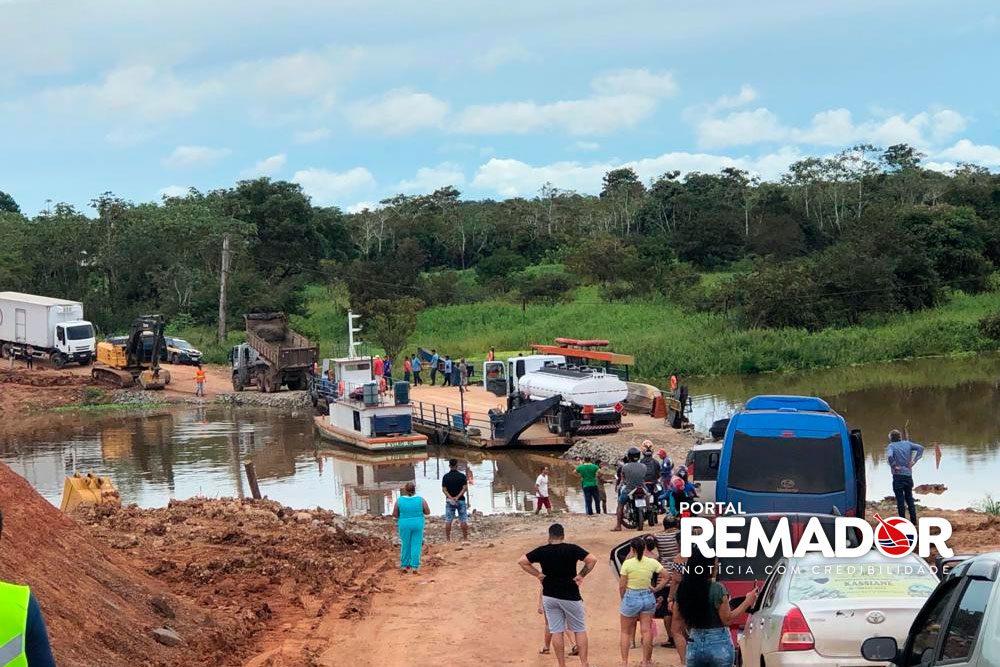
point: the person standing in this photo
(455, 486)
(199, 381)
(446, 369)
(463, 373)
(23, 637)
(703, 605)
(387, 371)
(378, 366)
(407, 369)
(491, 355)
(29, 357)
(409, 513)
(561, 599)
(588, 482)
(902, 455)
(434, 366)
(638, 598)
(666, 469)
(415, 365)
(603, 478)
(542, 491)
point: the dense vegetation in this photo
(703, 273)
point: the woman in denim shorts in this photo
(703, 605)
(638, 591)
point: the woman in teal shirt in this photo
(409, 513)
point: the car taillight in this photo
(619, 407)
(588, 410)
(795, 632)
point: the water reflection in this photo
(200, 452)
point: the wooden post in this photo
(252, 479)
(223, 279)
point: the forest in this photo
(837, 241)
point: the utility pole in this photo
(223, 280)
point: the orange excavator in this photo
(136, 360)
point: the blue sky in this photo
(359, 101)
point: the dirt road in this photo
(476, 607)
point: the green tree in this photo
(7, 203)
(391, 322)
(545, 287)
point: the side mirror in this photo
(880, 649)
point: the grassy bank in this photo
(664, 338)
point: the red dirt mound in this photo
(99, 610)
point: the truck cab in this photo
(74, 341)
(792, 454)
(500, 377)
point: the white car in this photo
(818, 611)
(703, 468)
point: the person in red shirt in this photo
(379, 365)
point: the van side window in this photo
(963, 628)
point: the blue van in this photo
(792, 454)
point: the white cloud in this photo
(834, 127)
(621, 99)
(429, 179)
(360, 206)
(269, 166)
(586, 145)
(312, 136)
(137, 93)
(746, 95)
(635, 82)
(194, 156)
(173, 191)
(328, 187)
(397, 112)
(513, 178)
(964, 150)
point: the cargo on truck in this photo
(273, 355)
(50, 328)
(590, 400)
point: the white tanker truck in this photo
(591, 400)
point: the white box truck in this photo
(51, 328)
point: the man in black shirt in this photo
(455, 485)
(561, 589)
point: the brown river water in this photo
(189, 452)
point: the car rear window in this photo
(787, 465)
(852, 579)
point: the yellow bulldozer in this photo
(136, 358)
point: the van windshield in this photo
(80, 332)
(767, 464)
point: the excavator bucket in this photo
(88, 490)
(147, 380)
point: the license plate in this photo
(639, 502)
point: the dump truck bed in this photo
(292, 351)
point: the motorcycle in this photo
(642, 507)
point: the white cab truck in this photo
(591, 400)
(52, 329)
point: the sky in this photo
(358, 101)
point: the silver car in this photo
(817, 611)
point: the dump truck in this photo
(53, 329)
(273, 355)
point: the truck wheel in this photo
(237, 385)
(58, 361)
(4, 351)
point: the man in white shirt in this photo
(542, 491)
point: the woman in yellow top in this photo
(641, 578)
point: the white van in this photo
(703, 468)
